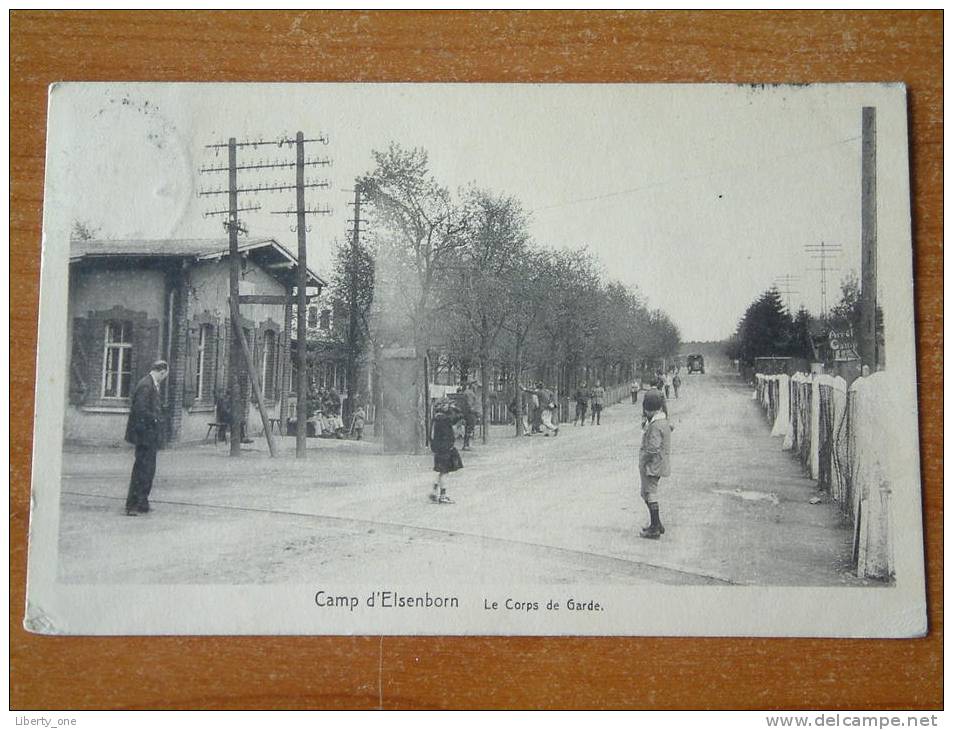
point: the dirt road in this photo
(559, 510)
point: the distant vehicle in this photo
(695, 364)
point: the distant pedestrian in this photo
(581, 397)
(333, 411)
(469, 402)
(654, 459)
(143, 430)
(597, 399)
(357, 423)
(547, 406)
(222, 415)
(634, 388)
(520, 417)
(667, 382)
(536, 412)
(676, 383)
(549, 413)
(446, 458)
(332, 401)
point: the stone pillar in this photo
(401, 388)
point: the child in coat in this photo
(654, 459)
(446, 458)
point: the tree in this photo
(802, 339)
(846, 313)
(765, 330)
(84, 231)
(420, 227)
(570, 323)
(496, 240)
(529, 285)
(352, 276)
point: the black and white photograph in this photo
(507, 359)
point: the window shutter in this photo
(80, 386)
(254, 347)
(92, 340)
(191, 364)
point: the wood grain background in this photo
(368, 672)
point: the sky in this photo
(701, 197)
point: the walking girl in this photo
(446, 458)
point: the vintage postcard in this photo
(477, 359)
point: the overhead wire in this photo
(697, 176)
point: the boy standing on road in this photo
(654, 459)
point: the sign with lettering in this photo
(842, 345)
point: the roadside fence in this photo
(842, 438)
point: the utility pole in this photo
(239, 353)
(867, 339)
(301, 211)
(301, 432)
(823, 252)
(352, 302)
(784, 284)
(238, 350)
(234, 273)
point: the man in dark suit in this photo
(143, 430)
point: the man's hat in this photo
(160, 365)
(653, 401)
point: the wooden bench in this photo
(217, 427)
(274, 424)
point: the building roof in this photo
(266, 251)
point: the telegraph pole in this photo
(823, 252)
(352, 302)
(784, 284)
(867, 339)
(239, 351)
(234, 273)
(301, 211)
(301, 432)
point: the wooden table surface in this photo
(367, 672)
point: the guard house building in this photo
(134, 301)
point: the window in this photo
(268, 365)
(117, 356)
(205, 363)
(312, 316)
(325, 319)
